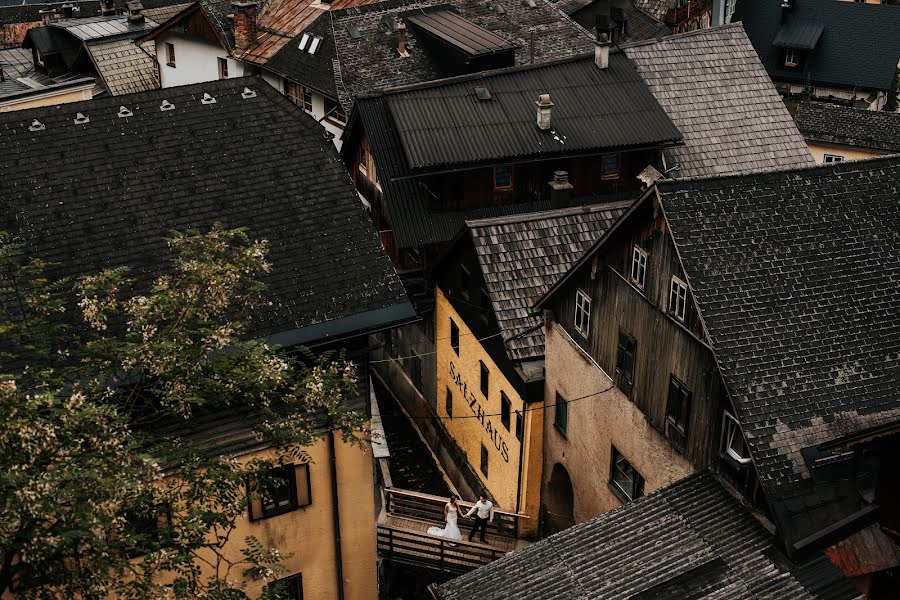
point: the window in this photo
(625, 481)
(484, 461)
(335, 112)
(678, 298)
(503, 178)
(678, 411)
(223, 68)
(454, 336)
(505, 407)
(732, 443)
(625, 363)
(485, 379)
(582, 313)
(147, 528)
(283, 489)
(170, 54)
(790, 58)
(465, 282)
(561, 418)
(833, 158)
(609, 166)
(363, 161)
(638, 266)
(520, 426)
(485, 305)
(448, 403)
(289, 588)
(299, 95)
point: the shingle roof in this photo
(521, 256)
(445, 124)
(859, 46)
(639, 26)
(797, 278)
(111, 189)
(713, 87)
(124, 66)
(656, 8)
(689, 540)
(30, 12)
(833, 124)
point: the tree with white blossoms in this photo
(91, 503)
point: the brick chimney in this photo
(560, 190)
(135, 11)
(543, 111)
(244, 23)
(401, 40)
(601, 51)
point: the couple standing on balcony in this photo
(483, 511)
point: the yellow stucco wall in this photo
(476, 419)
(308, 532)
(819, 150)
(595, 424)
(71, 96)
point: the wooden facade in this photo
(665, 347)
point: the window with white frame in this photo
(732, 443)
(833, 158)
(638, 266)
(678, 298)
(790, 57)
(582, 313)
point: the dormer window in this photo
(678, 299)
(791, 58)
(503, 178)
(732, 443)
(638, 266)
(582, 313)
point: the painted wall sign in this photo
(478, 411)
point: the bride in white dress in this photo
(451, 514)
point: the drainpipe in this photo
(336, 512)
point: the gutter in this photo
(336, 513)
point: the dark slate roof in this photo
(111, 189)
(833, 124)
(444, 124)
(799, 34)
(124, 66)
(696, 77)
(797, 277)
(689, 540)
(523, 255)
(639, 26)
(312, 70)
(29, 12)
(370, 62)
(859, 46)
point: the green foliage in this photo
(91, 502)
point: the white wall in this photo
(196, 60)
(318, 108)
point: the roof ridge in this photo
(548, 214)
(679, 36)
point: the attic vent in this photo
(36, 126)
(166, 105)
(80, 119)
(248, 93)
(482, 93)
(207, 99)
(124, 112)
(530, 3)
(314, 44)
(303, 41)
(498, 9)
(354, 32)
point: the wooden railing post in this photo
(442, 556)
(391, 541)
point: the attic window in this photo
(482, 93)
(314, 44)
(304, 41)
(354, 32)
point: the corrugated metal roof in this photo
(93, 28)
(461, 33)
(444, 124)
(800, 34)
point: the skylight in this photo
(303, 41)
(314, 45)
(354, 32)
(482, 93)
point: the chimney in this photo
(786, 7)
(107, 7)
(244, 23)
(135, 11)
(68, 11)
(543, 111)
(560, 190)
(601, 51)
(401, 40)
(602, 20)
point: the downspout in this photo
(336, 512)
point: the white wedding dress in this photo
(451, 531)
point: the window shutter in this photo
(301, 481)
(254, 504)
(674, 392)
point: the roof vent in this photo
(166, 105)
(36, 126)
(543, 111)
(482, 93)
(248, 93)
(124, 112)
(207, 99)
(81, 119)
(354, 32)
(401, 40)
